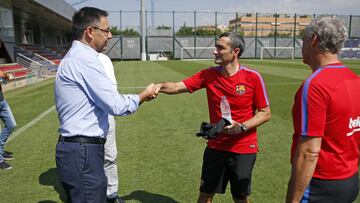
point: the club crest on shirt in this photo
(240, 89)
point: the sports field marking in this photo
(31, 123)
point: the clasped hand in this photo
(152, 91)
(234, 128)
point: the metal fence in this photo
(169, 31)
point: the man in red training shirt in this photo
(231, 155)
(326, 118)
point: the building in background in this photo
(221, 27)
(267, 25)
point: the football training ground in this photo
(159, 156)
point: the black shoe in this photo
(116, 199)
(5, 165)
(8, 156)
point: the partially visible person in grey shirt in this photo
(84, 97)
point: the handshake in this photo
(150, 92)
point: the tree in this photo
(278, 34)
(114, 30)
(184, 30)
(128, 32)
(207, 32)
(163, 27)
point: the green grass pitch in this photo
(159, 156)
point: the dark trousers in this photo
(81, 171)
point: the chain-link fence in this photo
(169, 32)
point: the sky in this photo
(129, 19)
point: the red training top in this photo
(327, 105)
(245, 92)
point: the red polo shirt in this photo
(327, 105)
(245, 92)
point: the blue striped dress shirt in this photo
(84, 95)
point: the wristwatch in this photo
(243, 127)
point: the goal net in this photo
(277, 52)
(197, 53)
(350, 53)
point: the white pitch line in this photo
(31, 123)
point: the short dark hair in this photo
(86, 16)
(236, 41)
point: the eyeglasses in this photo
(106, 32)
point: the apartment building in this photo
(266, 25)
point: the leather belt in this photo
(82, 139)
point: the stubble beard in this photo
(103, 47)
(218, 61)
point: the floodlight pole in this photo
(142, 28)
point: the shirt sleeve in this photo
(261, 99)
(195, 82)
(100, 91)
(313, 109)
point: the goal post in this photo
(291, 49)
(196, 53)
(349, 53)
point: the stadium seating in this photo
(59, 50)
(51, 66)
(57, 61)
(45, 52)
(15, 70)
(19, 50)
(52, 55)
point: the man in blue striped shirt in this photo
(84, 98)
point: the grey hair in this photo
(331, 32)
(236, 41)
